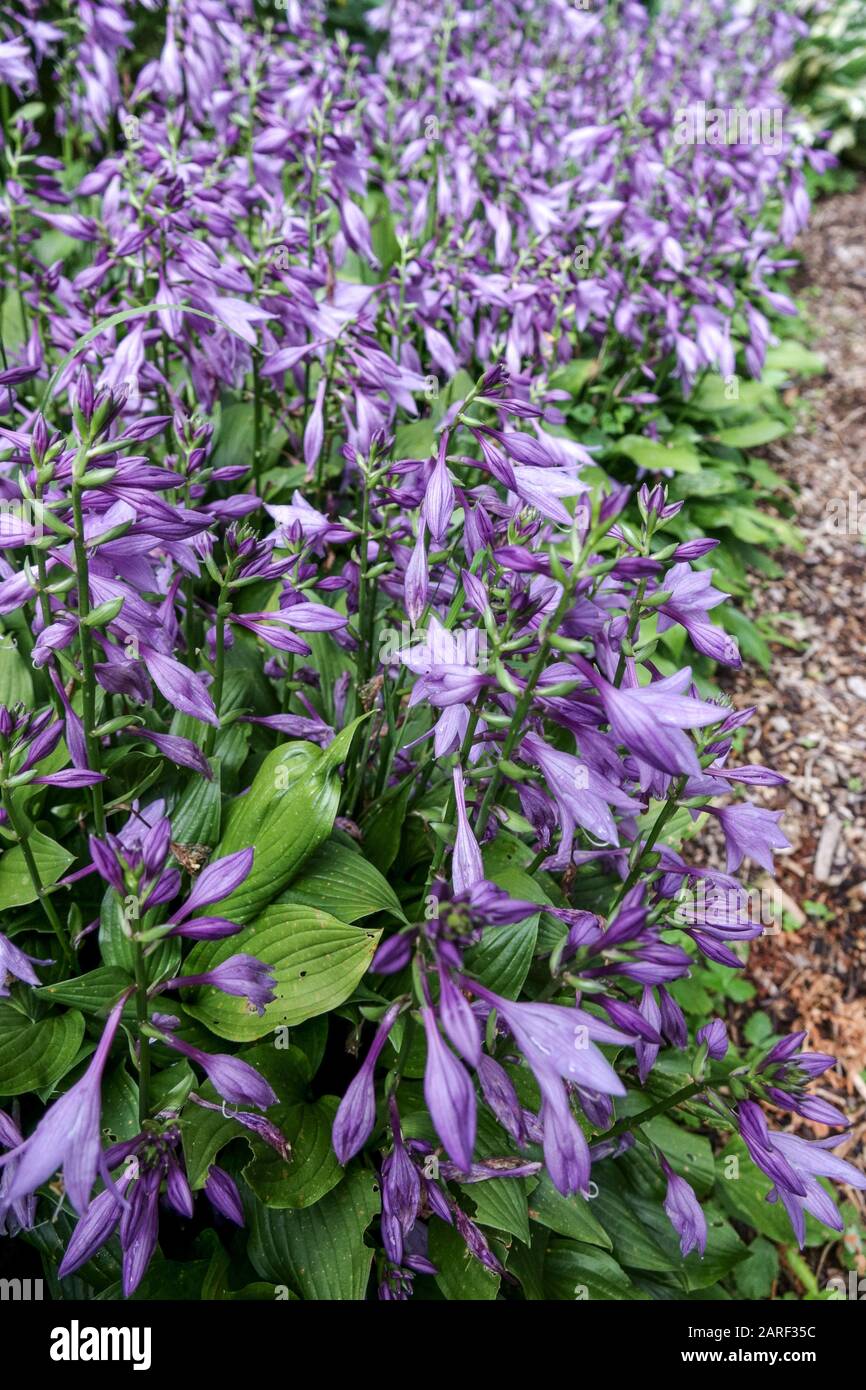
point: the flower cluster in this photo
(322, 608)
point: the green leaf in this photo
(294, 822)
(118, 949)
(460, 1276)
(382, 828)
(502, 1204)
(761, 430)
(689, 1154)
(234, 442)
(316, 962)
(35, 1056)
(575, 1272)
(169, 1088)
(653, 455)
(794, 359)
(12, 328)
(319, 1251)
(92, 993)
(630, 1206)
(416, 440)
(342, 882)
(503, 957)
(16, 888)
(313, 1168)
(119, 1119)
(755, 1277)
(567, 1216)
(16, 682)
(195, 819)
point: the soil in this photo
(811, 719)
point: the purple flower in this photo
(222, 1191)
(467, 867)
(17, 964)
(415, 582)
(235, 1079)
(139, 1228)
(356, 1114)
(714, 1036)
(684, 1212)
(259, 1125)
(216, 882)
(24, 1209)
(795, 1165)
(750, 832)
(94, 1228)
(241, 975)
(649, 719)
(450, 1096)
(439, 496)
(458, 1020)
(69, 1134)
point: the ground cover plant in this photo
(375, 401)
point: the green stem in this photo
(632, 1122)
(661, 821)
(522, 707)
(141, 1015)
(222, 613)
(86, 647)
(35, 878)
(797, 1265)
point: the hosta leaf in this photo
(794, 359)
(460, 1276)
(92, 993)
(119, 1119)
(502, 1204)
(320, 1251)
(754, 1278)
(34, 1056)
(502, 958)
(294, 822)
(633, 1214)
(16, 682)
(116, 945)
(654, 455)
(761, 430)
(313, 1168)
(340, 881)
(567, 1216)
(383, 828)
(196, 818)
(16, 888)
(576, 1272)
(316, 962)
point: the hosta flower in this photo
(15, 964)
(450, 1096)
(236, 1080)
(241, 975)
(750, 832)
(795, 1165)
(684, 1212)
(69, 1135)
(356, 1113)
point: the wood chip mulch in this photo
(811, 719)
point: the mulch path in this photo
(811, 720)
